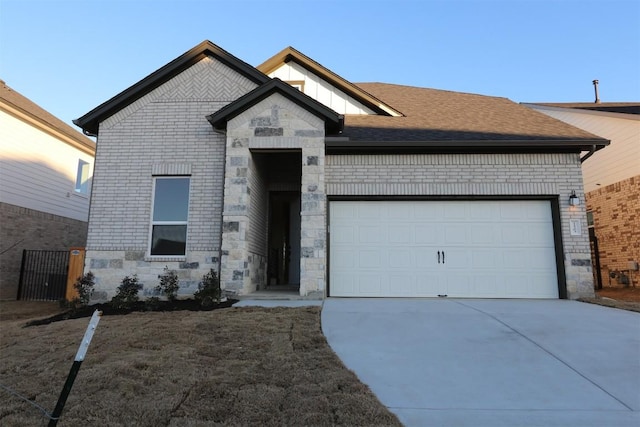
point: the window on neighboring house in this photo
(82, 177)
(589, 218)
(170, 213)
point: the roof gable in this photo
(90, 121)
(333, 121)
(290, 54)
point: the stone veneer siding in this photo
(163, 133)
(554, 175)
(616, 218)
(274, 123)
(23, 228)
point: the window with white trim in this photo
(82, 177)
(170, 214)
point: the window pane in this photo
(82, 177)
(171, 201)
(168, 240)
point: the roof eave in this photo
(90, 121)
(477, 146)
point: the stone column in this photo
(313, 221)
(234, 274)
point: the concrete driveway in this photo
(461, 362)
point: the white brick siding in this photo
(164, 132)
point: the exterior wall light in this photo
(573, 199)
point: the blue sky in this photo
(69, 56)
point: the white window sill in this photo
(164, 258)
(81, 195)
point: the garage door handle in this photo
(443, 257)
(438, 257)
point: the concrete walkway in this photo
(492, 362)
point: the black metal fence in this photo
(43, 275)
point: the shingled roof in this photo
(18, 105)
(439, 120)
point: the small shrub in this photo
(84, 286)
(168, 284)
(127, 295)
(208, 292)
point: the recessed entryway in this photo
(280, 174)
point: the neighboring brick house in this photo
(286, 174)
(611, 185)
(45, 173)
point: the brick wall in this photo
(553, 175)
(616, 217)
(164, 132)
(23, 228)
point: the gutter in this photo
(343, 145)
(589, 154)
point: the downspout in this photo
(589, 154)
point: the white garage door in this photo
(478, 249)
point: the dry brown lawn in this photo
(235, 366)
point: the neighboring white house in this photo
(46, 168)
(611, 184)
(288, 174)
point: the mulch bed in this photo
(140, 306)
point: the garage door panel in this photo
(428, 212)
(492, 249)
(537, 234)
(456, 212)
(515, 210)
(429, 285)
(398, 213)
(369, 285)
(401, 258)
(401, 234)
(514, 234)
(427, 233)
(370, 259)
(538, 211)
(371, 234)
(457, 285)
(455, 259)
(369, 211)
(343, 258)
(455, 234)
(343, 234)
(515, 259)
(485, 259)
(404, 285)
(483, 234)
